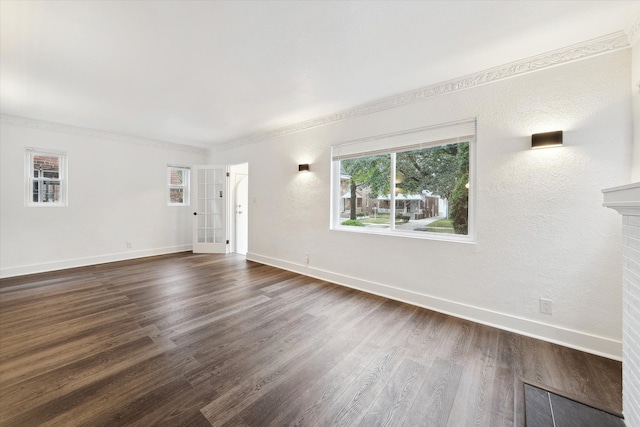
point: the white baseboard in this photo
(83, 262)
(589, 343)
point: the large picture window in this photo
(46, 183)
(415, 183)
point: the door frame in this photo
(236, 169)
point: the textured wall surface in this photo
(635, 95)
(117, 193)
(631, 320)
(541, 229)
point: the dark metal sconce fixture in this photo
(303, 168)
(547, 139)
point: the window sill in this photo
(458, 238)
(46, 205)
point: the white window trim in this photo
(30, 152)
(186, 186)
(383, 144)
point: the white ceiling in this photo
(209, 72)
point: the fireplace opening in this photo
(543, 408)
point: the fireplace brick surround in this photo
(626, 200)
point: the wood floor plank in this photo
(356, 400)
(319, 395)
(432, 406)
(25, 366)
(11, 339)
(93, 402)
(246, 389)
(393, 405)
(275, 403)
(260, 375)
(200, 339)
(502, 399)
(50, 385)
(472, 405)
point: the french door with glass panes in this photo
(209, 199)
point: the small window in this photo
(414, 183)
(46, 183)
(178, 180)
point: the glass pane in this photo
(176, 195)
(49, 164)
(36, 185)
(210, 177)
(432, 189)
(210, 235)
(208, 220)
(217, 221)
(50, 191)
(204, 220)
(177, 176)
(364, 191)
(214, 206)
(201, 206)
(50, 174)
(201, 235)
(202, 173)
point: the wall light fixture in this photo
(303, 168)
(547, 139)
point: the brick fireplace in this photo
(626, 200)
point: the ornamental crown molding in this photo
(601, 45)
(75, 130)
(633, 29)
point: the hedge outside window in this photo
(46, 183)
(414, 183)
(178, 182)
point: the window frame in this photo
(30, 178)
(186, 185)
(335, 219)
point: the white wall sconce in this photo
(547, 139)
(303, 168)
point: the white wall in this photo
(635, 94)
(541, 228)
(117, 193)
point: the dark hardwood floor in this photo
(209, 339)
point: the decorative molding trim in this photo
(633, 29)
(84, 262)
(601, 346)
(588, 49)
(625, 199)
(75, 130)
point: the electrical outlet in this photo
(129, 245)
(306, 259)
(546, 306)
